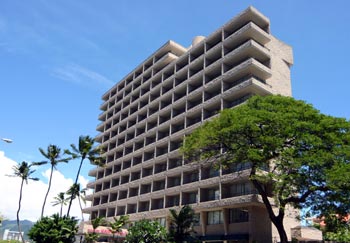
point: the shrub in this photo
(54, 229)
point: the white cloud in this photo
(80, 75)
(33, 193)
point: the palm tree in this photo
(85, 150)
(181, 224)
(23, 171)
(60, 200)
(117, 225)
(95, 223)
(75, 192)
(53, 154)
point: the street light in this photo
(7, 140)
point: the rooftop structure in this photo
(146, 115)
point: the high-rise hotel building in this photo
(146, 115)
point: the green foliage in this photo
(117, 225)
(307, 153)
(334, 223)
(61, 200)
(90, 237)
(181, 224)
(54, 229)
(23, 171)
(75, 192)
(336, 228)
(53, 155)
(85, 150)
(145, 231)
(9, 241)
(343, 235)
(99, 221)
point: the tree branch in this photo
(303, 197)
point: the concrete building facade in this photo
(146, 115)
(12, 235)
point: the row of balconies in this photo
(138, 112)
(141, 86)
(208, 218)
(162, 163)
(156, 115)
(194, 196)
(250, 49)
(145, 121)
(150, 67)
(154, 178)
(163, 136)
(172, 181)
(163, 139)
(227, 31)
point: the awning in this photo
(105, 231)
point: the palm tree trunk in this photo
(19, 209)
(81, 208)
(47, 193)
(76, 181)
(61, 209)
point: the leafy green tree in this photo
(145, 231)
(54, 229)
(85, 150)
(61, 200)
(307, 153)
(75, 192)
(336, 228)
(53, 154)
(334, 223)
(341, 235)
(181, 224)
(24, 172)
(117, 225)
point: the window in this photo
(173, 201)
(215, 217)
(194, 177)
(238, 215)
(237, 167)
(213, 172)
(161, 221)
(242, 189)
(193, 197)
(197, 219)
(214, 194)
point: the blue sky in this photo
(57, 58)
